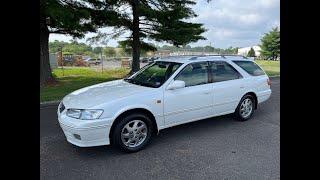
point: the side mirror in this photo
(177, 84)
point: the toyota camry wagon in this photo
(127, 113)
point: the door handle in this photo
(206, 92)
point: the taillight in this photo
(269, 82)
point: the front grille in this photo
(62, 107)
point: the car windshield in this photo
(155, 74)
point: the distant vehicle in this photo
(149, 60)
(68, 59)
(144, 60)
(95, 61)
(152, 59)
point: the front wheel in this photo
(133, 132)
(245, 108)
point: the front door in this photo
(192, 102)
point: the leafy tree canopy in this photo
(73, 47)
(109, 51)
(72, 17)
(251, 53)
(270, 44)
(159, 20)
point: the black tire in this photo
(116, 135)
(237, 112)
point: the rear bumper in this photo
(263, 96)
(85, 133)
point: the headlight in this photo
(85, 114)
(91, 114)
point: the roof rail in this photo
(221, 55)
(194, 57)
(224, 55)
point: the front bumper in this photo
(85, 133)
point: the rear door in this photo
(228, 87)
(259, 81)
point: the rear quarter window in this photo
(250, 67)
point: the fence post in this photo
(101, 63)
(62, 61)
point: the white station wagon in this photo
(168, 92)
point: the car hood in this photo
(95, 95)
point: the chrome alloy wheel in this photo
(246, 108)
(134, 133)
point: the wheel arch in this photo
(253, 94)
(131, 111)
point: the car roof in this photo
(188, 59)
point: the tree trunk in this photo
(135, 37)
(45, 70)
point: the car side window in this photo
(194, 74)
(222, 71)
(250, 67)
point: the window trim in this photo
(208, 80)
(233, 68)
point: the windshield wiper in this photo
(130, 80)
(127, 79)
(133, 81)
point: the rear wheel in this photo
(245, 108)
(133, 132)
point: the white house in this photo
(244, 51)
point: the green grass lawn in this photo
(272, 68)
(71, 79)
(75, 78)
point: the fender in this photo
(158, 117)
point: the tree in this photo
(209, 48)
(188, 47)
(55, 46)
(236, 50)
(270, 44)
(251, 53)
(72, 17)
(120, 52)
(97, 50)
(229, 50)
(78, 48)
(74, 48)
(109, 52)
(160, 20)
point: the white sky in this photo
(236, 23)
